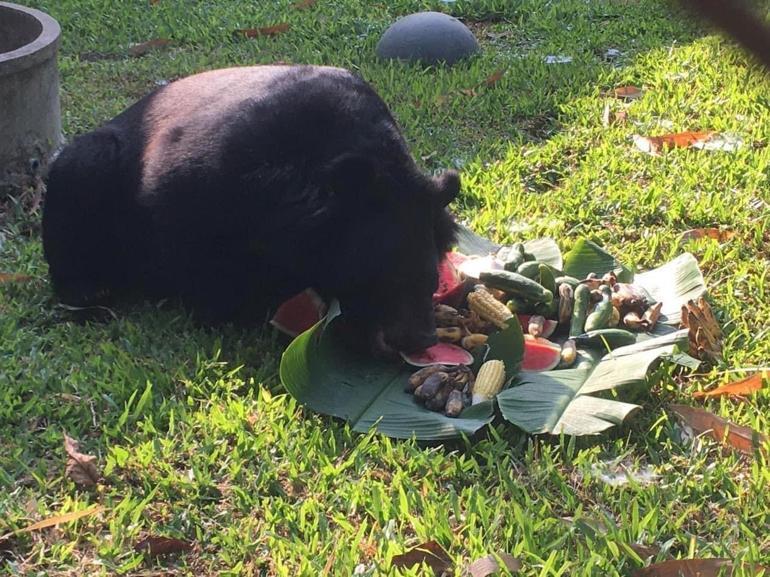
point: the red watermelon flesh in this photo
(450, 289)
(540, 354)
(440, 354)
(299, 313)
(548, 329)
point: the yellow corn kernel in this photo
(489, 381)
(489, 308)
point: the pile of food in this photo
(560, 316)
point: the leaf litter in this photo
(81, 468)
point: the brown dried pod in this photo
(615, 318)
(629, 297)
(438, 401)
(536, 325)
(651, 316)
(431, 385)
(592, 280)
(596, 296)
(446, 316)
(633, 320)
(417, 378)
(449, 334)
(566, 302)
(473, 340)
(454, 403)
(461, 376)
(610, 279)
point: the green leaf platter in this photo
(324, 375)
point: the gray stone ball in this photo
(427, 37)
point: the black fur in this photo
(235, 189)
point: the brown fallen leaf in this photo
(274, 30)
(741, 438)
(654, 144)
(429, 553)
(737, 389)
(627, 92)
(13, 277)
(691, 568)
(138, 50)
(703, 331)
(720, 235)
(81, 468)
(489, 566)
(494, 78)
(303, 4)
(155, 545)
(469, 92)
(55, 520)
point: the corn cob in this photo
(489, 308)
(489, 381)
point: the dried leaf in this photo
(737, 389)
(56, 520)
(81, 468)
(494, 78)
(704, 333)
(13, 277)
(429, 553)
(157, 545)
(720, 235)
(303, 4)
(154, 2)
(138, 50)
(690, 568)
(743, 439)
(265, 31)
(654, 144)
(488, 565)
(627, 92)
(468, 92)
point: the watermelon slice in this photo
(440, 354)
(299, 313)
(451, 288)
(540, 354)
(548, 329)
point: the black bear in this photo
(234, 189)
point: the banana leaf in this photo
(319, 371)
(322, 373)
(560, 402)
(587, 257)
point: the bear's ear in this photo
(447, 186)
(350, 176)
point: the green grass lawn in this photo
(197, 439)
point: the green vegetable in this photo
(517, 285)
(530, 269)
(570, 280)
(545, 277)
(579, 309)
(602, 313)
(602, 338)
(513, 258)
